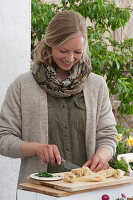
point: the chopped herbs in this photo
(44, 174)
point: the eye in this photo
(78, 52)
(63, 51)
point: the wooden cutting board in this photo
(79, 186)
(50, 190)
(43, 189)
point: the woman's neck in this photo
(62, 74)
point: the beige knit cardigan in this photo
(24, 117)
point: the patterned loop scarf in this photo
(46, 77)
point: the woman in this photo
(59, 109)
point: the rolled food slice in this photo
(119, 173)
(69, 177)
(128, 157)
(107, 173)
(87, 171)
(78, 172)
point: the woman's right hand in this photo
(49, 153)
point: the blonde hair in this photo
(65, 25)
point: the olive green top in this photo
(66, 128)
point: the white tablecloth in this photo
(114, 193)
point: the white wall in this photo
(14, 59)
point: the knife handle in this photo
(62, 160)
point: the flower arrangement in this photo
(106, 197)
(125, 140)
(125, 145)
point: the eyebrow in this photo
(68, 49)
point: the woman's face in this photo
(69, 53)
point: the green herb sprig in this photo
(121, 164)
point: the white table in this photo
(114, 193)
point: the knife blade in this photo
(69, 165)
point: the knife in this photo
(69, 165)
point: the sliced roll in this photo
(107, 173)
(87, 171)
(69, 177)
(78, 172)
(119, 173)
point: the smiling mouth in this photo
(67, 64)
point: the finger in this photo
(46, 154)
(42, 157)
(88, 163)
(106, 166)
(51, 155)
(102, 166)
(94, 164)
(99, 167)
(57, 154)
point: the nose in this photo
(70, 58)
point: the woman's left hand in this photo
(100, 160)
(96, 163)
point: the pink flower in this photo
(105, 197)
(123, 195)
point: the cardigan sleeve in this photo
(106, 134)
(10, 123)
